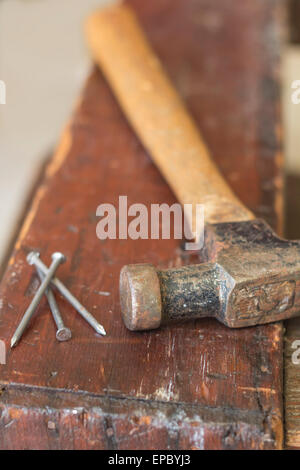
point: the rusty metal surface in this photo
(140, 297)
(252, 277)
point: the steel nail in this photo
(70, 297)
(63, 333)
(57, 259)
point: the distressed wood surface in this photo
(160, 120)
(193, 386)
(224, 58)
(292, 364)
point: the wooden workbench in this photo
(192, 386)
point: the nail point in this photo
(101, 330)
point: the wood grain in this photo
(292, 367)
(224, 59)
(192, 386)
(158, 115)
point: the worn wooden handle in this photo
(158, 114)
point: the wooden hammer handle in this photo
(158, 114)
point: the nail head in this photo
(63, 334)
(31, 257)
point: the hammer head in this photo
(250, 277)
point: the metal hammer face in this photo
(251, 277)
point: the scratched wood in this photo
(190, 386)
(292, 365)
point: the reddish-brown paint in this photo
(186, 386)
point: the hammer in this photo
(249, 275)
